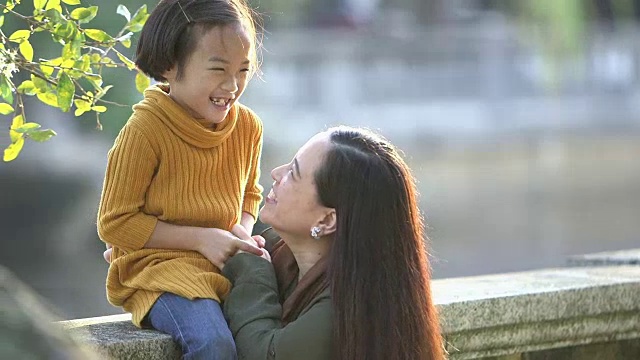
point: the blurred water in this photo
(513, 176)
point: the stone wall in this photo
(566, 313)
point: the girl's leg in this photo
(197, 325)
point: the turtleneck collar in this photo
(175, 117)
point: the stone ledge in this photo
(514, 313)
(623, 257)
(115, 337)
(482, 316)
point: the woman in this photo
(350, 278)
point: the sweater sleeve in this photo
(254, 312)
(130, 169)
(253, 189)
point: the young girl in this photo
(181, 188)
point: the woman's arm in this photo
(254, 312)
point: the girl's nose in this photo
(230, 84)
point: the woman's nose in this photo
(276, 174)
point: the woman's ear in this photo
(328, 223)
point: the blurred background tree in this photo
(69, 74)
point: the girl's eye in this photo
(216, 69)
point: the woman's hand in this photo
(242, 233)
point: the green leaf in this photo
(65, 30)
(27, 87)
(27, 128)
(71, 2)
(26, 50)
(6, 109)
(11, 153)
(19, 36)
(84, 15)
(142, 82)
(54, 15)
(66, 89)
(6, 89)
(99, 108)
(138, 20)
(122, 10)
(42, 135)
(130, 64)
(40, 84)
(98, 35)
(1, 20)
(54, 4)
(48, 98)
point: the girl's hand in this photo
(107, 254)
(222, 244)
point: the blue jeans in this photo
(197, 325)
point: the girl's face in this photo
(215, 75)
(292, 206)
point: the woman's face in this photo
(292, 206)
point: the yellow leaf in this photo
(15, 135)
(39, 4)
(13, 150)
(19, 36)
(26, 50)
(17, 122)
(48, 98)
(54, 4)
(71, 2)
(142, 82)
(99, 108)
(5, 109)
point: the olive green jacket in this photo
(254, 314)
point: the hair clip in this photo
(184, 13)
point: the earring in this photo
(315, 232)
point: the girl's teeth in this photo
(219, 102)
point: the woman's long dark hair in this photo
(378, 269)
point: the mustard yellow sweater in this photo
(165, 165)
